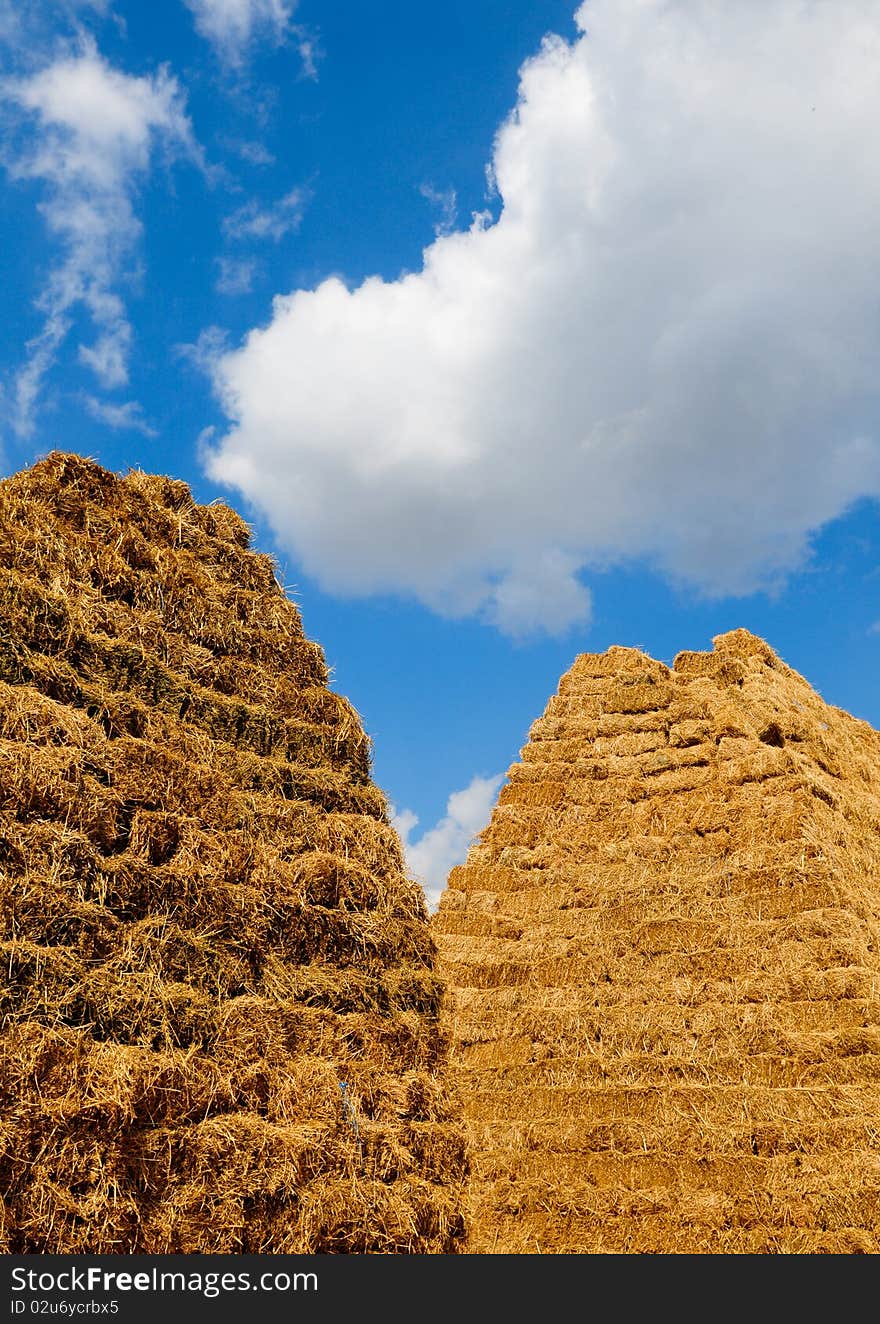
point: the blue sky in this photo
(517, 328)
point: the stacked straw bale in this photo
(664, 959)
(219, 1012)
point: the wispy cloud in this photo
(126, 417)
(233, 26)
(445, 845)
(310, 51)
(663, 349)
(254, 152)
(202, 355)
(256, 220)
(89, 134)
(28, 27)
(445, 204)
(10, 22)
(235, 275)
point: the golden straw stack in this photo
(218, 1002)
(664, 960)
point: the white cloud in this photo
(254, 221)
(10, 21)
(108, 357)
(235, 275)
(26, 27)
(665, 348)
(310, 52)
(211, 344)
(445, 204)
(445, 845)
(92, 131)
(122, 417)
(233, 25)
(539, 590)
(254, 152)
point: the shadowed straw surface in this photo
(207, 931)
(664, 959)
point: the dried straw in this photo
(664, 959)
(206, 924)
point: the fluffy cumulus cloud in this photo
(89, 132)
(665, 347)
(232, 25)
(437, 851)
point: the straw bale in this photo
(206, 924)
(544, 793)
(612, 665)
(663, 957)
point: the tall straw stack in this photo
(218, 1003)
(664, 954)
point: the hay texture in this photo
(664, 959)
(218, 1003)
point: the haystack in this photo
(218, 1002)
(664, 954)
